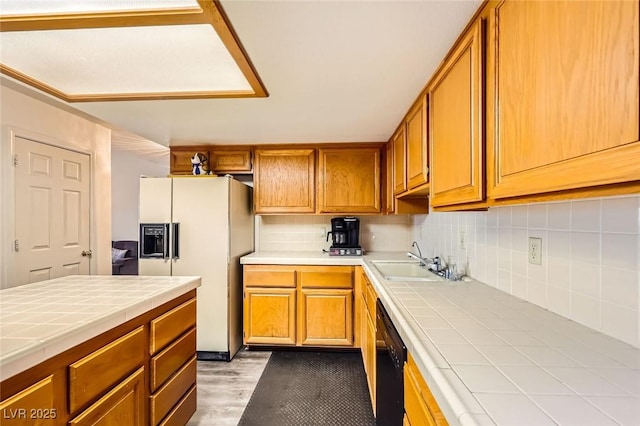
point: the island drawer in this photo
(172, 358)
(183, 411)
(99, 371)
(165, 398)
(166, 328)
(269, 276)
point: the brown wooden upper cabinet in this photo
(456, 124)
(180, 160)
(349, 180)
(219, 161)
(237, 161)
(399, 143)
(417, 152)
(566, 83)
(284, 181)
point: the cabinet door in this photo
(371, 357)
(420, 405)
(180, 161)
(399, 142)
(455, 105)
(566, 83)
(349, 180)
(269, 316)
(230, 161)
(326, 317)
(364, 348)
(284, 181)
(417, 152)
(388, 192)
(34, 406)
(123, 405)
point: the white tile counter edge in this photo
(42, 349)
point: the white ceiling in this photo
(336, 71)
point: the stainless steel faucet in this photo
(434, 264)
(415, 244)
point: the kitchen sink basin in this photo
(404, 271)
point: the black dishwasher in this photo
(390, 357)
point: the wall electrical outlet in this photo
(463, 240)
(535, 250)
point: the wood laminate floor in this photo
(224, 388)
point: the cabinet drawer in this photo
(269, 276)
(167, 327)
(122, 405)
(38, 397)
(172, 392)
(183, 411)
(99, 371)
(172, 358)
(325, 276)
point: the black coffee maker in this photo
(345, 236)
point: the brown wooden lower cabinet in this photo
(139, 373)
(101, 370)
(298, 305)
(369, 344)
(163, 401)
(420, 406)
(326, 317)
(34, 405)
(123, 405)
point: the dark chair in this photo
(127, 265)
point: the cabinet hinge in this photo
(15, 161)
(16, 245)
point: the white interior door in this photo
(52, 190)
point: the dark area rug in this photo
(311, 388)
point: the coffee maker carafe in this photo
(345, 236)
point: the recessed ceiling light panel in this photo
(129, 60)
(56, 7)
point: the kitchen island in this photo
(491, 358)
(82, 348)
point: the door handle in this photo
(87, 253)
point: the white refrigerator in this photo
(210, 225)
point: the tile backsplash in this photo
(590, 268)
(309, 232)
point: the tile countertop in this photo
(43, 319)
(491, 358)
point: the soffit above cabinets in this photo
(124, 50)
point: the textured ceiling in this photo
(343, 71)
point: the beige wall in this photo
(23, 115)
(308, 232)
(127, 167)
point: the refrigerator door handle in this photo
(176, 241)
(165, 241)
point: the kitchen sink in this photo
(407, 270)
